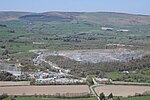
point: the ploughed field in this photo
(121, 90)
(62, 90)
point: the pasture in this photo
(137, 98)
(35, 98)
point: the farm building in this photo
(107, 28)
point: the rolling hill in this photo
(11, 15)
(100, 18)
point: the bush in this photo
(146, 93)
(3, 96)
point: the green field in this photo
(137, 98)
(76, 34)
(133, 76)
(114, 75)
(35, 98)
(122, 98)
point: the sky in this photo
(124, 6)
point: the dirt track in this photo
(121, 90)
(47, 90)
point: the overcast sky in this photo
(125, 6)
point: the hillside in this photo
(115, 18)
(9, 16)
(100, 18)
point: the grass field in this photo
(35, 98)
(132, 76)
(137, 98)
(114, 75)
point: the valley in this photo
(76, 49)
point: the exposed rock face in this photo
(95, 56)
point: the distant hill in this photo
(115, 18)
(9, 15)
(101, 18)
(41, 17)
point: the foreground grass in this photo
(35, 98)
(137, 98)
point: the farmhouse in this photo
(122, 30)
(125, 72)
(121, 45)
(38, 43)
(107, 28)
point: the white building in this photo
(107, 28)
(122, 30)
(125, 72)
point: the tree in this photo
(3, 96)
(102, 96)
(89, 80)
(110, 97)
(12, 98)
(6, 76)
(5, 54)
(118, 98)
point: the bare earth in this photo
(46, 90)
(121, 90)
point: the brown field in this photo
(12, 83)
(121, 90)
(46, 90)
